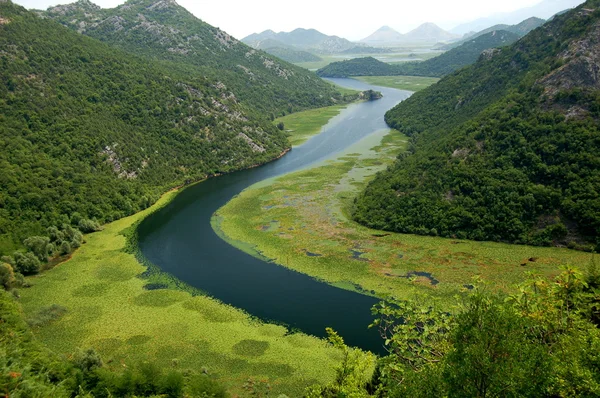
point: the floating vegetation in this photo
(47, 315)
(310, 254)
(356, 255)
(156, 286)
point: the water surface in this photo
(179, 239)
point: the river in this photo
(179, 239)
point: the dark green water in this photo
(179, 239)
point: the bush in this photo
(87, 360)
(86, 225)
(7, 275)
(27, 263)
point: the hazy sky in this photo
(333, 17)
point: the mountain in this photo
(385, 34)
(91, 131)
(503, 150)
(443, 64)
(425, 33)
(520, 29)
(166, 32)
(544, 10)
(428, 33)
(304, 39)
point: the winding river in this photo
(179, 239)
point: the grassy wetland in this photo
(302, 221)
(301, 126)
(105, 304)
(410, 83)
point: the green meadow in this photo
(301, 221)
(410, 83)
(301, 126)
(108, 308)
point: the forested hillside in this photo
(164, 31)
(506, 149)
(90, 132)
(520, 29)
(441, 65)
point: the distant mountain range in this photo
(307, 40)
(545, 10)
(425, 33)
(446, 63)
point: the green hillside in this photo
(167, 32)
(441, 65)
(291, 55)
(504, 150)
(520, 29)
(92, 132)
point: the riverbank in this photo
(410, 83)
(301, 126)
(109, 307)
(301, 221)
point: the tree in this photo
(352, 376)
(27, 263)
(491, 354)
(40, 246)
(7, 275)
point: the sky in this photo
(333, 17)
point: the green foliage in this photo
(26, 263)
(86, 226)
(40, 246)
(492, 356)
(352, 374)
(7, 275)
(495, 155)
(442, 65)
(537, 342)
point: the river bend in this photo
(179, 239)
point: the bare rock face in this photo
(581, 67)
(490, 53)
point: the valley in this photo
(185, 214)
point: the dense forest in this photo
(504, 150)
(439, 66)
(92, 133)
(166, 32)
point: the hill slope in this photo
(520, 29)
(505, 149)
(89, 131)
(291, 55)
(441, 65)
(164, 31)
